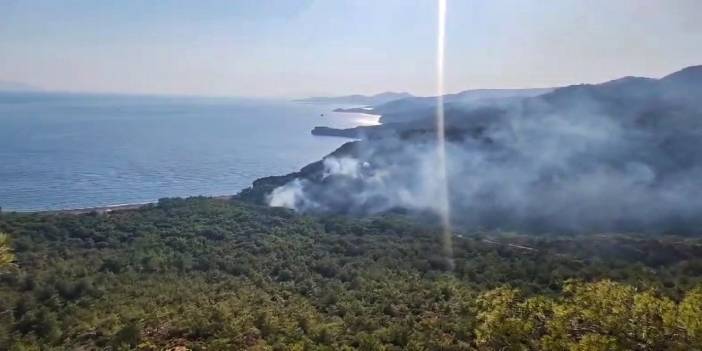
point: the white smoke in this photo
(288, 195)
(345, 166)
(581, 169)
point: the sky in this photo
(295, 48)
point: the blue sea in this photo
(65, 151)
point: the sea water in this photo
(62, 151)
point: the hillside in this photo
(616, 156)
(414, 108)
(209, 274)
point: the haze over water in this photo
(61, 151)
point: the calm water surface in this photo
(73, 151)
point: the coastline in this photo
(364, 119)
(98, 209)
(106, 209)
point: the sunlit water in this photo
(74, 151)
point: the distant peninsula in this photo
(366, 110)
(361, 100)
(336, 132)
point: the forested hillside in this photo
(214, 275)
(617, 156)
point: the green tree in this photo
(6, 255)
(508, 321)
(606, 315)
(690, 315)
(603, 315)
(127, 336)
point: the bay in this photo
(64, 151)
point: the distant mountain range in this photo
(408, 109)
(637, 101)
(6, 86)
(361, 100)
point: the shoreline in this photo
(363, 121)
(106, 208)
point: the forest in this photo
(213, 274)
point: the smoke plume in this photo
(624, 155)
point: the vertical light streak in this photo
(442, 173)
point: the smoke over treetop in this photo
(622, 155)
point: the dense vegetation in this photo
(216, 275)
(6, 255)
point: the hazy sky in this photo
(313, 47)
